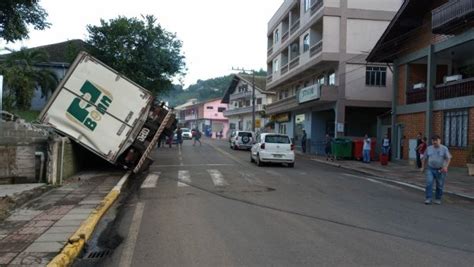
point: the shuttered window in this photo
(456, 128)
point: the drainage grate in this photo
(98, 254)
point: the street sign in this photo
(257, 123)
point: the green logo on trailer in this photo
(88, 109)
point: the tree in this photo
(16, 15)
(140, 49)
(22, 77)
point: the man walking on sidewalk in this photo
(436, 161)
(366, 149)
(303, 142)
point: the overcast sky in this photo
(217, 34)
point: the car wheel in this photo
(291, 165)
(259, 163)
(251, 158)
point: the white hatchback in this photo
(271, 147)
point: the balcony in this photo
(416, 96)
(316, 48)
(243, 110)
(447, 17)
(285, 36)
(454, 89)
(240, 95)
(284, 69)
(294, 63)
(190, 117)
(269, 78)
(269, 51)
(316, 6)
(295, 26)
(282, 105)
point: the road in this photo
(209, 206)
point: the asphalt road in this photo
(209, 206)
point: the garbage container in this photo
(342, 148)
(358, 145)
(383, 159)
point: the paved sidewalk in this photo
(36, 232)
(458, 182)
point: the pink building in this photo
(208, 117)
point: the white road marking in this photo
(131, 240)
(217, 178)
(193, 165)
(372, 180)
(250, 178)
(184, 177)
(151, 180)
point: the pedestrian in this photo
(197, 137)
(179, 137)
(220, 133)
(385, 145)
(366, 149)
(303, 141)
(402, 145)
(418, 143)
(328, 147)
(421, 149)
(436, 162)
(170, 139)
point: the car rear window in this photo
(245, 134)
(277, 139)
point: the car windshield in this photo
(277, 139)
(245, 134)
(185, 129)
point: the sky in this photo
(217, 35)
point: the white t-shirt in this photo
(366, 144)
(386, 142)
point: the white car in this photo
(271, 147)
(186, 134)
(242, 140)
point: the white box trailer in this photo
(105, 112)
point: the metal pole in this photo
(1, 92)
(253, 101)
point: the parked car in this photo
(271, 147)
(187, 133)
(242, 140)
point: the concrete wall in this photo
(385, 5)
(331, 34)
(356, 89)
(332, 3)
(362, 34)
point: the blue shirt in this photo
(437, 157)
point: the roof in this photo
(409, 17)
(64, 52)
(260, 85)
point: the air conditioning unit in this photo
(419, 86)
(452, 78)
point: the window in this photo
(277, 139)
(307, 5)
(247, 103)
(259, 101)
(209, 107)
(306, 43)
(321, 80)
(276, 36)
(282, 128)
(276, 66)
(456, 128)
(375, 76)
(332, 78)
(220, 109)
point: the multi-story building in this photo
(431, 46)
(207, 116)
(316, 66)
(239, 97)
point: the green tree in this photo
(140, 49)
(16, 15)
(22, 76)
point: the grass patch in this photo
(27, 115)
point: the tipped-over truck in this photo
(107, 113)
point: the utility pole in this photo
(253, 94)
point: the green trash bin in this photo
(342, 148)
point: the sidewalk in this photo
(36, 232)
(458, 182)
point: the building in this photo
(207, 116)
(316, 65)
(61, 55)
(431, 47)
(181, 111)
(239, 98)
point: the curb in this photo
(389, 179)
(77, 241)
